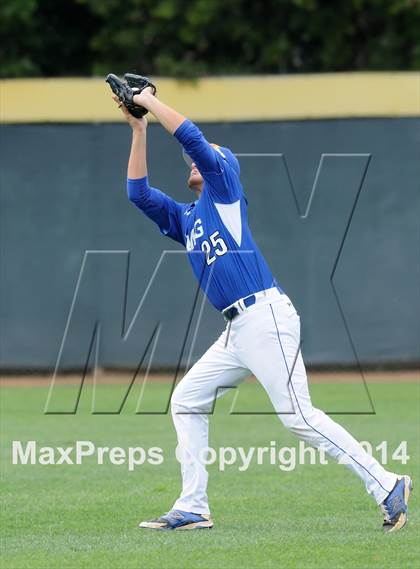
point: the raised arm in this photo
(159, 207)
(168, 117)
(137, 164)
(188, 134)
(218, 166)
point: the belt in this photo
(233, 311)
(242, 304)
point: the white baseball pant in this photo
(264, 340)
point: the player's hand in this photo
(137, 124)
(141, 98)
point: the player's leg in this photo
(270, 348)
(192, 401)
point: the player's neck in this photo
(197, 189)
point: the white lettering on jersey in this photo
(196, 232)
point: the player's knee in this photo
(294, 422)
(177, 399)
(302, 420)
(180, 402)
(186, 400)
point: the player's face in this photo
(195, 180)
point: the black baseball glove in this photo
(125, 91)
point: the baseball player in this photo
(262, 334)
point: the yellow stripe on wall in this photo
(230, 99)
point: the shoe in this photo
(179, 520)
(394, 507)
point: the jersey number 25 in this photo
(219, 247)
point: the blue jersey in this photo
(214, 229)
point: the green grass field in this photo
(59, 516)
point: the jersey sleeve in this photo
(221, 180)
(159, 207)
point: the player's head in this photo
(195, 179)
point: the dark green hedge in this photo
(195, 37)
